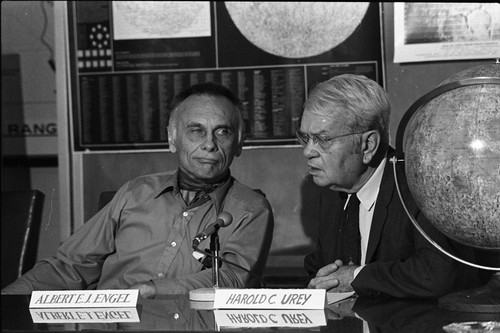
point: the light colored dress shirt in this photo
(146, 232)
(367, 196)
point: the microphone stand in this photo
(215, 248)
(208, 294)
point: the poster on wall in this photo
(436, 31)
(130, 58)
(29, 116)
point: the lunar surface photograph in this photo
(297, 29)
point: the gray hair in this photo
(361, 102)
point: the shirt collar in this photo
(219, 194)
(367, 195)
(170, 184)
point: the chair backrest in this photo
(105, 198)
(21, 220)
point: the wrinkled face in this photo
(205, 137)
(339, 164)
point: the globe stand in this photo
(485, 299)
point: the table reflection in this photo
(169, 313)
(166, 313)
(400, 315)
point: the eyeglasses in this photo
(322, 140)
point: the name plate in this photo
(84, 298)
(270, 318)
(99, 315)
(269, 298)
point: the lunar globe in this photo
(451, 143)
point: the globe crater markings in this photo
(452, 159)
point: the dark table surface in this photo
(176, 313)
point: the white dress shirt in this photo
(367, 196)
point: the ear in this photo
(370, 144)
(171, 140)
(238, 150)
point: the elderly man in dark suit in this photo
(366, 242)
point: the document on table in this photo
(333, 297)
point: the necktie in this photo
(350, 238)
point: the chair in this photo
(105, 198)
(21, 220)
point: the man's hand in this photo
(146, 289)
(334, 276)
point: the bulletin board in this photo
(128, 59)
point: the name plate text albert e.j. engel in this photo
(84, 298)
(227, 298)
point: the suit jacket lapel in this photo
(386, 192)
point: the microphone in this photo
(223, 220)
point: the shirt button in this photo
(174, 244)
(185, 214)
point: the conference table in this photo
(176, 313)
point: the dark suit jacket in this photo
(400, 262)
